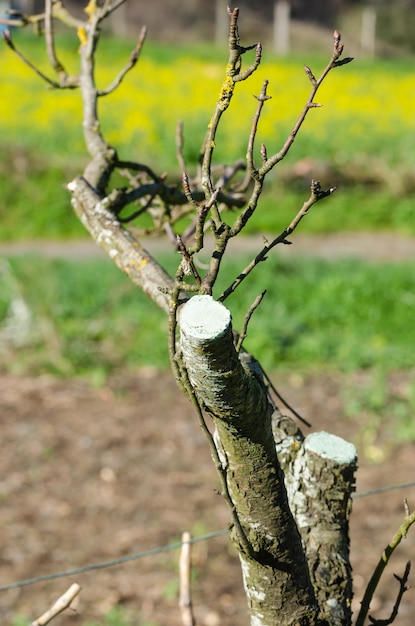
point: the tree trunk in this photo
(291, 497)
(274, 567)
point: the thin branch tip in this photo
(6, 35)
(310, 75)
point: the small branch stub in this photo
(204, 319)
(320, 483)
(208, 349)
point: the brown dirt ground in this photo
(88, 475)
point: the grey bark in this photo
(275, 571)
(119, 243)
(319, 475)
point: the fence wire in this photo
(171, 546)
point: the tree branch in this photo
(310, 104)
(131, 63)
(71, 83)
(403, 587)
(120, 244)
(380, 567)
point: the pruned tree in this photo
(289, 495)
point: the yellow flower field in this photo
(367, 110)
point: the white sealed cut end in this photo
(203, 318)
(331, 447)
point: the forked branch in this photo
(403, 587)
(380, 568)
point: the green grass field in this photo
(316, 315)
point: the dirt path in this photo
(371, 246)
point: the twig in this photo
(137, 167)
(111, 7)
(268, 163)
(60, 605)
(179, 147)
(257, 368)
(284, 401)
(50, 38)
(187, 262)
(380, 567)
(248, 316)
(262, 98)
(233, 75)
(402, 580)
(72, 82)
(131, 63)
(310, 104)
(185, 598)
(18, 19)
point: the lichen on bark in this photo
(275, 571)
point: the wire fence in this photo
(166, 548)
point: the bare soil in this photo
(88, 475)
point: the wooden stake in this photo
(185, 599)
(60, 605)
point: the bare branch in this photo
(61, 13)
(199, 225)
(284, 401)
(50, 42)
(316, 83)
(187, 262)
(403, 587)
(179, 146)
(380, 568)
(120, 244)
(233, 75)
(65, 79)
(71, 83)
(317, 194)
(248, 316)
(131, 63)
(111, 7)
(250, 152)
